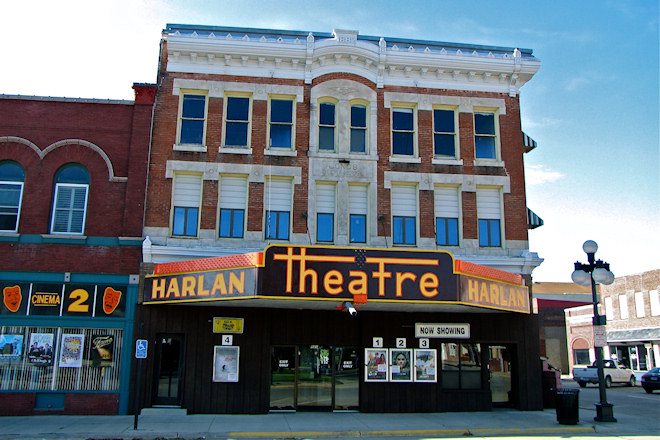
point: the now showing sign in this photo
(446, 331)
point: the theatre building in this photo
(337, 222)
(72, 186)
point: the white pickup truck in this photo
(613, 372)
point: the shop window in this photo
(404, 214)
(278, 199)
(358, 128)
(325, 212)
(281, 123)
(581, 356)
(192, 118)
(237, 121)
(70, 200)
(447, 211)
(327, 126)
(489, 215)
(12, 177)
(403, 131)
(187, 196)
(444, 133)
(60, 359)
(233, 198)
(358, 209)
(461, 366)
(485, 136)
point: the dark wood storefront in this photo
(266, 328)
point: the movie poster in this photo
(102, 348)
(225, 364)
(376, 365)
(400, 362)
(11, 347)
(425, 365)
(41, 349)
(71, 351)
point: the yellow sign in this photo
(227, 325)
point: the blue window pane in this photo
(326, 138)
(443, 121)
(409, 230)
(358, 116)
(236, 133)
(225, 222)
(281, 110)
(11, 171)
(280, 136)
(403, 143)
(179, 221)
(191, 222)
(483, 233)
(193, 106)
(484, 123)
(283, 226)
(270, 224)
(358, 140)
(402, 119)
(237, 108)
(441, 231)
(358, 231)
(237, 226)
(72, 173)
(494, 232)
(192, 131)
(444, 145)
(10, 194)
(324, 226)
(397, 230)
(452, 232)
(484, 147)
(327, 114)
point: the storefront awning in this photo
(533, 220)
(327, 277)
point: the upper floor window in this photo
(404, 214)
(444, 133)
(186, 200)
(489, 213)
(325, 212)
(237, 121)
(192, 118)
(358, 128)
(358, 208)
(403, 131)
(233, 199)
(485, 136)
(278, 200)
(447, 215)
(12, 177)
(281, 123)
(327, 125)
(70, 200)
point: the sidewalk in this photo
(175, 424)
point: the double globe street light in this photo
(596, 272)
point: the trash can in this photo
(566, 404)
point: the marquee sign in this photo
(358, 274)
(494, 294)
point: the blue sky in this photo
(592, 107)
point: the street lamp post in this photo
(596, 271)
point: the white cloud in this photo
(537, 175)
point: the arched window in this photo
(12, 177)
(70, 200)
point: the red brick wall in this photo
(22, 404)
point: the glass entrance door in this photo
(315, 384)
(169, 367)
(314, 378)
(500, 375)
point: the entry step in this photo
(164, 411)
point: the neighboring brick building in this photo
(265, 137)
(632, 308)
(72, 188)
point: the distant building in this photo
(549, 301)
(295, 176)
(632, 308)
(72, 186)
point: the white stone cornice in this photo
(410, 64)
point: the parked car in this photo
(613, 372)
(651, 380)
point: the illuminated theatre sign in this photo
(339, 274)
